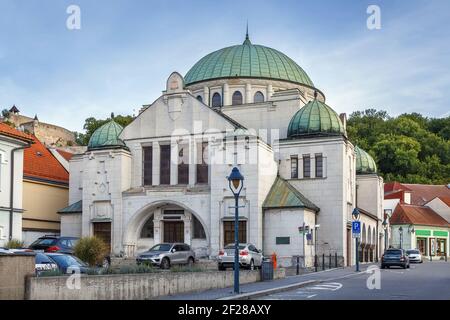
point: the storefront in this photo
(432, 243)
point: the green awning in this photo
(284, 195)
(76, 207)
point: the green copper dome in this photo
(247, 61)
(107, 136)
(364, 162)
(315, 118)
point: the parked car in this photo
(165, 255)
(54, 244)
(67, 263)
(395, 257)
(414, 256)
(249, 257)
(44, 263)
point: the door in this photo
(178, 255)
(173, 231)
(422, 246)
(228, 232)
(102, 230)
(441, 247)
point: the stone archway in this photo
(133, 243)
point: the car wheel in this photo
(165, 263)
(191, 262)
(408, 265)
(252, 265)
(404, 266)
(383, 266)
(221, 268)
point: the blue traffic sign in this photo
(356, 226)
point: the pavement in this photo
(258, 289)
(427, 281)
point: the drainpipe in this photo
(11, 194)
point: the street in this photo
(430, 280)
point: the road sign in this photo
(356, 229)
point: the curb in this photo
(246, 296)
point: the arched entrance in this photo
(165, 221)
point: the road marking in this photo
(332, 286)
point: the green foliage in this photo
(14, 244)
(91, 250)
(5, 113)
(409, 148)
(51, 273)
(182, 268)
(91, 124)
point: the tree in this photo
(408, 148)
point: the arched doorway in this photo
(165, 221)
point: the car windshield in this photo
(394, 252)
(67, 260)
(42, 259)
(161, 247)
(231, 246)
(412, 252)
(44, 242)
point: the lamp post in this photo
(385, 227)
(236, 182)
(400, 231)
(387, 216)
(355, 215)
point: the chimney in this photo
(343, 117)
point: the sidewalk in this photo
(301, 280)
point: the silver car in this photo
(165, 255)
(249, 257)
(414, 256)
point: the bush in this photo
(14, 244)
(91, 250)
(51, 273)
(194, 268)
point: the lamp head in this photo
(235, 178)
(400, 229)
(355, 214)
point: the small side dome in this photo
(364, 162)
(107, 136)
(315, 118)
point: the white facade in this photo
(7, 144)
(144, 199)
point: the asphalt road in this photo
(429, 281)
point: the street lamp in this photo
(385, 227)
(355, 216)
(400, 230)
(236, 182)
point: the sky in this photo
(124, 51)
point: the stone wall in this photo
(13, 271)
(135, 286)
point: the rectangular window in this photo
(319, 165)
(202, 166)
(283, 240)
(228, 232)
(147, 155)
(306, 166)
(294, 167)
(183, 164)
(164, 169)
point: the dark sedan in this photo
(395, 257)
(54, 244)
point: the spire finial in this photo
(247, 38)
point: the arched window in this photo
(198, 231)
(259, 97)
(216, 100)
(237, 98)
(147, 229)
(199, 98)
